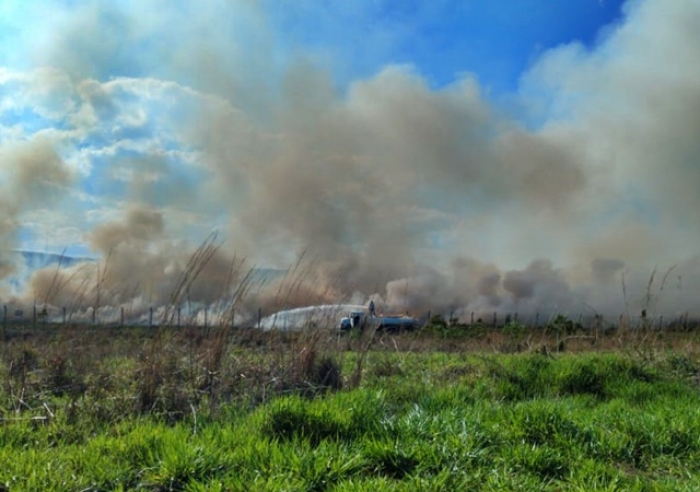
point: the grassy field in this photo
(446, 408)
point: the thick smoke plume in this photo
(388, 188)
(33, 177)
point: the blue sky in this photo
(385, 135)
(495, 40)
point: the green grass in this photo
(423, 420)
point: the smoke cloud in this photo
(423, 197)
(33, 177)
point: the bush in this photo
(561, 325)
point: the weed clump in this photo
(387, 459)
(585, 380)
(23, 363)
(521, 378)
(529, 376)
(292, 418)
(319, 374)
(307, 373)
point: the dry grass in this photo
(111, 374)
(174, 370)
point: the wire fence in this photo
(214, 316)
(37, 316)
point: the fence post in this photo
(94, 316)
(150, 316)
(537, 319)
(64, 314)
(495, 319)
(206, 311)
(259, 316)
(178, 316)
(34, 317)
(121, 316)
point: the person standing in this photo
(371, 308)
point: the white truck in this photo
(362, 319)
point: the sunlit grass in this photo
(177, 412)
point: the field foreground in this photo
(221, 410)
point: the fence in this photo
(207, 316)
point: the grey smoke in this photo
(426, 197)
(35, 178)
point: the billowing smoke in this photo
(32, 178)
(426, 198)
(606, 270)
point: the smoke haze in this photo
(426, 198)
